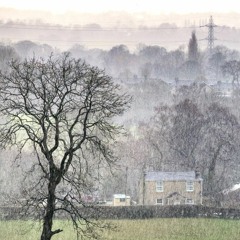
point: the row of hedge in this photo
(139, 212)
(145, 212)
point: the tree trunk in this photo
(211, 171)
(47, 232)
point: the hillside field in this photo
(151, 229)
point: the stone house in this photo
(171, 188)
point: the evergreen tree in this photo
(193, 48)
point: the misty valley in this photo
(95, 133)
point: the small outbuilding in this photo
(121, 200)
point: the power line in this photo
(224, 40)
(100, 29)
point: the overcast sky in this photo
(152, 6)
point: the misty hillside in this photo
(110, 29)
(96, 36)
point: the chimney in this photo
(197, 174)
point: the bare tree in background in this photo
(186, 133)
(232, 68)
(62, 110)
(185, 136)
(220, 148)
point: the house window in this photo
(189, 201)
(189, 186)
(159, 201)
(122, 199)
(159, 186)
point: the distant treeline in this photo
(99, 36)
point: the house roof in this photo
(120, 196)
(171, 176)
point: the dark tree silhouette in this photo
(193, 48)
(62, 110)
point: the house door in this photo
(177, 202)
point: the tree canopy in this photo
(62, 110)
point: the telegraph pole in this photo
(210, 37)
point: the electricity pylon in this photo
(210, 37)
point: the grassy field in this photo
(152, 229)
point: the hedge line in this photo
(139, 212)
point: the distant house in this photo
(171, 188)
(121, 200)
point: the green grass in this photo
(152, 229)
(177, 229)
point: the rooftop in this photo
(120, 196)
(171, 176)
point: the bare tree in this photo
(62, 110)
(220, 148)
(6, 54)
(186, 133)
(188, 137)
(216, 60)
(232, 68)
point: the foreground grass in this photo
(177, 229)
(151, 229)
